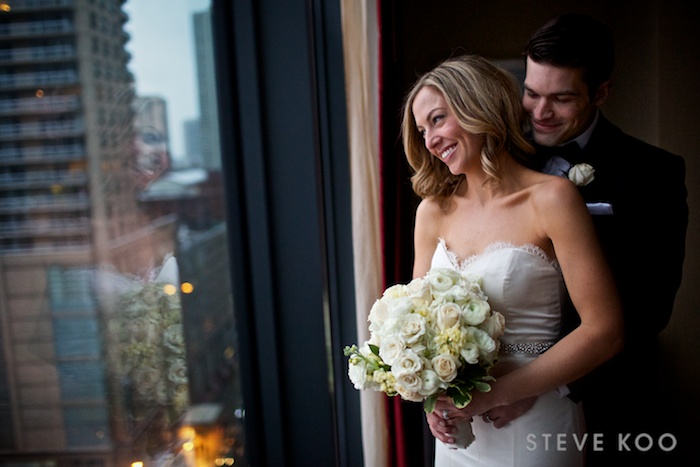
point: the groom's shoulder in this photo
(612, 139)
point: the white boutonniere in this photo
(581, 174)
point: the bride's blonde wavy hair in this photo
(485, 100)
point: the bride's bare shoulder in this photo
(429, 217)
(553, 193)
(430, 208)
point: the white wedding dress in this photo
(527, 287)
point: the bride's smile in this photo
(442, 133)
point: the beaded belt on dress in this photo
(531, 348)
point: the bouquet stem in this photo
(464, 436)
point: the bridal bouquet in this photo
(435, 335)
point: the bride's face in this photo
(443, 136)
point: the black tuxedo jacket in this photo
(644, 237)
(644, 242)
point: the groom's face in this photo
(557, 103)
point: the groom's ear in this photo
(603, 93)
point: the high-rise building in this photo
(206, 81)
(193, 143)
(69, 182)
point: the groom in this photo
(637, 199)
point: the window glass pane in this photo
(117, 335)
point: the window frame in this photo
(280, 80)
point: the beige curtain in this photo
(360, 39)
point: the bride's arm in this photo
(425, 236)
(565, 220)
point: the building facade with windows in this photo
(68, 209)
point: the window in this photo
(119, 341)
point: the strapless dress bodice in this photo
(521, 282)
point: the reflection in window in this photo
(117, 339)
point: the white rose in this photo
(385, 313)
(494, 325)
(407, 362)
(411, 382)
(395, 291)
(445, 366)
(448, 315)
(378, 314)
(475, 312)
(392, 346)
(408, 395)
(146, 378)
(419, 291)
(144, 330)
(582, 174)
(411, 328)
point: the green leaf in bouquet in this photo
(374, 349)
(429, 403)
(481, 386)
(461, 399)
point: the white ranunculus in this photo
(430, 383)
(582, 174)
(357, 372)
(441, 280)
(448, 315)
(446, 367)
(470, 353)
(174, 339)
(487, 346)
(459, 293)
(474, 313)
(407, 362)
(177, 371)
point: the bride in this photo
(530, 238)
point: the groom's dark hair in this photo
(575, 41)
